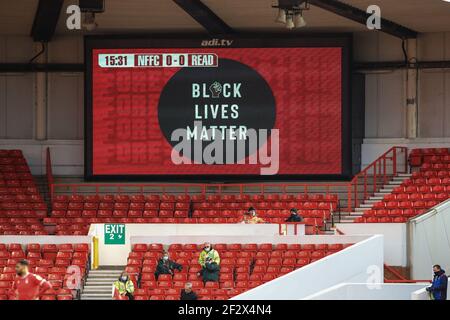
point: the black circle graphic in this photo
(232, 97)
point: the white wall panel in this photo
(17, 106)
(64, 49)
(432, 104)
(385, 92)
(65, 106)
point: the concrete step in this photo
(97, 291)
(366, 205)
(381, 194)
(101, 282)
(372, 201)
(105, 272)
(103, 279)
(355, 214)
(101, 287)
(361, 209)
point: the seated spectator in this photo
(294, 217)
(166, 266)
(438, 288)
(187, 293)
(251, 217)
(123, 288)
(210, 271)
(208, 251)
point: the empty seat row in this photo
(195, 198)
(418, 156)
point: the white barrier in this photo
(371, 291)
(423, 294)
(315, 239)
(395, 244)
(420, 294)
(360, 263)
(429, 241)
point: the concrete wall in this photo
(65, 110)
(429, 241)
(386, 91)
(395, 245)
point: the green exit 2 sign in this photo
(114, 233)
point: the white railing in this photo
(372, 291)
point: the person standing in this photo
(27, 285)
(438, 288)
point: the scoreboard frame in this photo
(267, 40)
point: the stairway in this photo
(42, 185)
(378, 196)
(99, 283)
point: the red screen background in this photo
(306, 84)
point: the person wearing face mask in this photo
(251, 217)
(438, 288)
(294, 217)
(208, 251)
(166, 266)
(28, 286)
(209, 260)
(123, 288)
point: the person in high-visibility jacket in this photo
(250, 217)
(210, 262)
(123, 288)
(208, 251)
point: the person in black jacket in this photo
(187, 293)
(211, 270)
(294, 217)
(166, 266)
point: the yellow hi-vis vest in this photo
(213, 254)
(124, 287)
